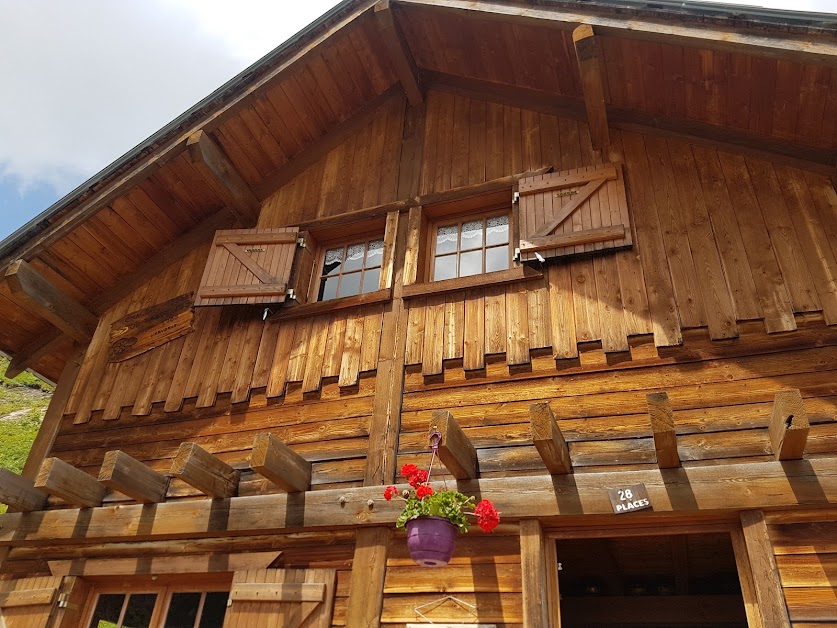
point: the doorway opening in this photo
(687, 581)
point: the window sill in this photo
(323, 307)
(513, 275)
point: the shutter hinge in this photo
(515, 198)
(229, 602)
(63, 600)
(291, 294)
(300, 242)
(516, 257)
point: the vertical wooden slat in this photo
(534, 572)
(366, 589)
(517, 325)
(434, 324)
(771, 600)
(474, 351)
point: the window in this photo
(350, 269)
(170, 607)
(472, 245)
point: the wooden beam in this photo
(455, 450)
(586, 236)
(74, 486)
(53, 415)
(534, 572)
(120, 472)
(283, 592)
(43, 345)
(771, 599)
(724, 138)
(38, 295)
(590, 62)
(399, 52)
(548, 439)
(366, 588)
(163, 565)
(788, 425)
(19, 492)
(336, 136)
(802, 48)
(211, 162)
(31, 597)
(745, 578)
(662, 428)
(200, 469)
(787, 484)
(280, 464)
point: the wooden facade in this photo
(673, 325)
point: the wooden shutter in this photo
(291, 598)
(574, 211)
(248, 266)
(29, 602)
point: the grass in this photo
(23, 401)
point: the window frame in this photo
(324, 246)
(459, 219)
(163, 590)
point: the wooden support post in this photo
(533, 568)
(199, 468)
(548, 439)
(213, 165)
(120, 472)
(745, 578)
(788, 425)
(662, 427)
(553, 591)
(455, 450)
(280, 464)
(768, 586)
(591, 70)
(19, 492)
(369, 567)
(399, 52)
(74, 486)
(38, 295)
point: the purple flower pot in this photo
(431, 540)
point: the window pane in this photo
(470, 263)
(371, 279)
(375, 253)
(183, 610)
(214, 609)
(497, 231)
(328, 288)
(496, 259)
(333, 261)
(472, 235)
(446, 239)
(350, 285)
(444, 267)
(354, 257)
(107, 612)
(139, 611)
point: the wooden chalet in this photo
(597, 241)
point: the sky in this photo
(83, 82)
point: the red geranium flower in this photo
(487, 516)
(419, 477)
(390, 492)
(424, 491)
(409, 469)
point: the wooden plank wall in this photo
(719, 239)
(806, 554)
(721, 392)
(362, 171)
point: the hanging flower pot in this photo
(431, 540)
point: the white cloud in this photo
(84, 82)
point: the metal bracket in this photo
(515, 198)
(300, 242)
(63, 600)
(516, 256)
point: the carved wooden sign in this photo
(629, 498)
(146, 329)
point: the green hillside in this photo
(23, 401)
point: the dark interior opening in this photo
(686, 581)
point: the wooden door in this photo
(291, 598)
(28, 602)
